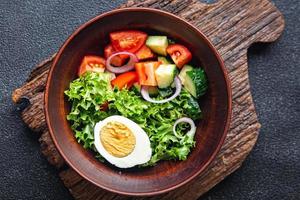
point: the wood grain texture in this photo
(232, 26)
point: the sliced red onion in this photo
(146, 96)
(125, 68)
(192, 130)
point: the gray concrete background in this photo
(31, 30)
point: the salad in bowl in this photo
(136, 103)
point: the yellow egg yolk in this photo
(117, 139)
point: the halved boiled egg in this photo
(122, 142)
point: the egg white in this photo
(142, 151)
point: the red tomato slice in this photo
(146, 72)
(92, 63)
(117, 61)
(129, 40)
(179, 54)
(125, 80)
(144, 53)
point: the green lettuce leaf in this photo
(92, 90)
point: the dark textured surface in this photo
(33, 30)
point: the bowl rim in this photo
(223, 69)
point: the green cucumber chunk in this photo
(196, 82)
(158, 44)
(182, 74)
(165, 75)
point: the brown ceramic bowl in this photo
(166, 175)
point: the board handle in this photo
(226, 22)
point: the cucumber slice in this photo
(165, 74)
(182, 74)
(158, 44)
(196, 82)
(163, 60)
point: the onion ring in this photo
(125, 68)
(192, 130)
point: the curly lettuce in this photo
(86, 94)
(92, 90)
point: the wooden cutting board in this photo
(232, 26)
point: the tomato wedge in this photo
(125, 80)
(179, 54)
(117, 61)
(130, 40)
(146, 72)
(92, 63)
(144, 53)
